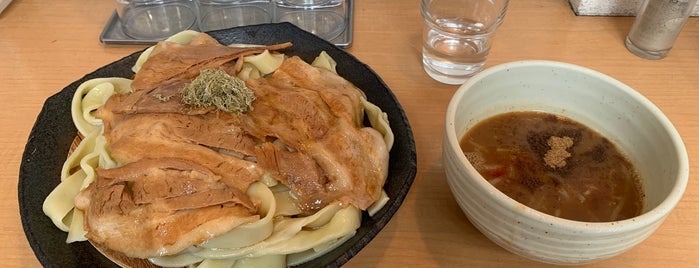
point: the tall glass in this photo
(457, 36)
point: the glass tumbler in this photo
(457, 35)
(222, 14)
(306, 3)
(326, 19)
(155, 19)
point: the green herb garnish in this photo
(214, 87)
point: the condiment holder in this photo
(147, 22)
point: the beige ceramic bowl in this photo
(618, 112)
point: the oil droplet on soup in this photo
(555, 165)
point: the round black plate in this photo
(53, 133)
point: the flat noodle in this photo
(91, 95)
(290, 237)
(280, 237)
(88, 155)
(304, 235)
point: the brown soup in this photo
(555, 165)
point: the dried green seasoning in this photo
(214, 87)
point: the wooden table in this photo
(46, 45)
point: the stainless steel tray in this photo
(113, 33)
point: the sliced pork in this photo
(170, 60)
(183, 173)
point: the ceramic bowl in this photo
(613, 109)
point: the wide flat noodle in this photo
(91, 95)
(279, 237)
(317, 233)
(78, 170)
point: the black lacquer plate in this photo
(53, 133)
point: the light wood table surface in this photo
(45, 45)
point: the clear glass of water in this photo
(457, 35)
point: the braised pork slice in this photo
(318, 115)
(170, 60)
(161, 206)
(183, 174)
(164, 98)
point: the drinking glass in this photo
(155, 19)
(222, 14)
(306, 3)
(324, 18)
(457, 36)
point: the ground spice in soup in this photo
(555, 165)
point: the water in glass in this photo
(454, 50)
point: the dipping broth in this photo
(555, 165)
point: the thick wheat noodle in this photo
(96, 152)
